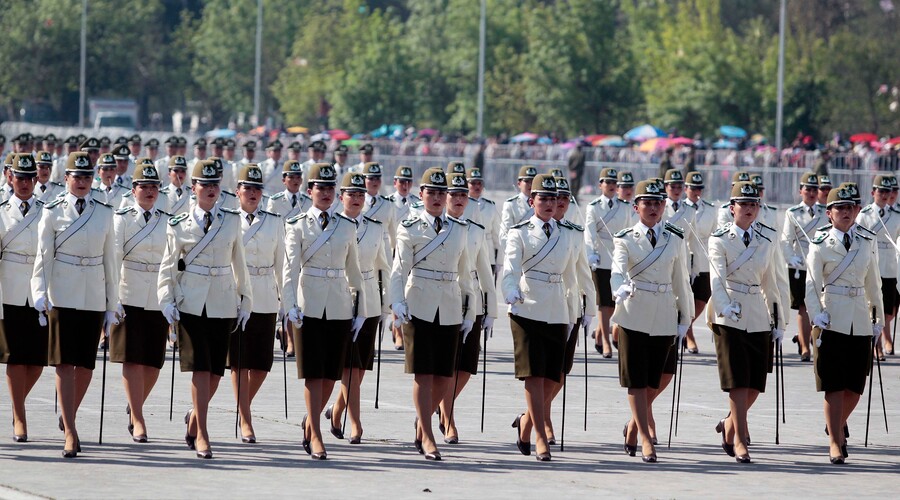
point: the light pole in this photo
(258, 70)
(481, 45)
(779, 111)
(82, 72)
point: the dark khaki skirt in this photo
(602, 285)
(203, 343)
(797, 287)
(74, 336)
(571, 346)
(742, 358)
(538, 348)
(642, 358)
(671, 366)
(24, 337)
(140, 338)
(430, 347)
(256, 344)
(842, 362)
(470, 351)
(321, 346)
(701, 288)
(362, 352)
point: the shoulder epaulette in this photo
(512, 198)
(523, 223)
(820, 238)
(826, 227)
(391, 198)
(174, 221)
(38, 202)
(707, 203)
(57, 184)
(417, 204)
(892, 209)
(125, 210)
(54, 203)
(229, 193)
(273, 214)
(594, 201)
(163, 213)
(295, 218)
(763, 236)
(306, 196)
(868, 238)
(770, 228)
(718, 233)
(623, 232)
(470, 221)
(4, 203)
(386, 198)
(867, 209)
(338, 214)
(103, 204)
(376, 221)
(571, 225)
(573, 201)
(458, 221)
(864, 228)
(127, 194)
(277, 195)
(409, 222)
(725, 205)
(489, 201)
(769, 207)
(164, 190)
(674, 229)
(229, 210)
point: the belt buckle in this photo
(446, 276)
(753, 289)
(213, 271)
(660, 289)
(84, 261)
(29, 259)
(555, 278)
(330, 273)
(853, 292)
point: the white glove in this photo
(594, 261)
(42, 304)
(731, 311)
(120, 311)
(170, 312)
(876, 330)
(109, 319)
(693, 277)
(279, 316)
(173, 335)
(778, 335)
(357, 326)
(822, 320)
(242, 318)
(586, 322)
(795, 261)
(487, 323)
(402, 312)
(514, 297)
(466, 328)
(682, 332)
(622, 292)
(295, 316)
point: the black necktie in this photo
(250, 219)
(178, 191)
(547, 229)
(323, 219)
(43, 188)
(79, 205)
(847, 241)
(438, 224)
(147, 216)
(651, 235)
(293, 200)
(675, 206)
(811, 213)
(207, 221)
(24, 208)
(746, 238)
(881, 212)
(609, 203)
(404, 200)
(372, 203)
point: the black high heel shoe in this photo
(630, 449)
(523, 446)
(335, 431)
(543, 457)
(204, 454)
(836, 460)
(729, 448)
(188, 439)
(307, 447)
(416, 441)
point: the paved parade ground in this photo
(488, 463)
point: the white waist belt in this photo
(75, 260)
(434, 275)
(883, 245)
(367, 275)
(260, 271)
(319, 272)
(140, 266)
(742, 288)
(18, 258)
(850, 291)
(545, 277)
(208, 271)
(651, 287)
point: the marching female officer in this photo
(745, 296)
(654, 306)
(433, 295)
(372, 240)
(204, 285)
(843, 297)
(139, 341)
(25, 337)
(74, 281)
(250, 355)
(538, 272)
(322, 263)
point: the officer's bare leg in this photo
(851, 399)
(834, 420)
(886, 342)
(349, 384)
(535, 389)
(257, 377)
(652, 394)
(446, 402)
(133, 377)
(21, 379)
(66, 389)
(601, 334)
(555, 389)
(313, 394)
(637, 400)
(243, 399)
(151, 375)
(737, 399)
(805, 330)
(699, 305)
(423, 397)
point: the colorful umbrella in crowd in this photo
(643, 133)
(732, 132)
(524, 137)
(614, 141)
(338, 134)
(428, 131)
(895, 140)
(595, 138)
(225, 133)
(863, 137)
(723, 144)
(297, 130)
